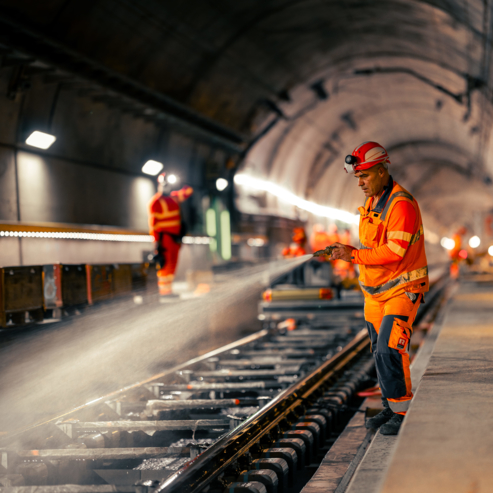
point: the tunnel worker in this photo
(297, 248)
(454, 254)
(344, 269)
(319, 239)
(167, 227)
(393, 276)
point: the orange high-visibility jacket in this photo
(164, 212)
(392, 257)
(293, 251)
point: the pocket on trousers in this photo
(400, 336)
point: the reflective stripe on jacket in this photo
(164, 212)
(409, 270)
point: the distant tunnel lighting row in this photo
(286, 196)
(59, 235)
(474, 242)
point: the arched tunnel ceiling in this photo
(414, 75)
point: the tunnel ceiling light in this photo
(255, 242)
(152, 167)
(447, 243)
(172, 179)
(474, 242)
(286, 196)
(40, 140)
(221, 184)
(490, 250)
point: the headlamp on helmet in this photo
(365, 156)
(350, 162)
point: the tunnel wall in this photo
(91, 176)
(92, 173)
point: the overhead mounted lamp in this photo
(40, 140)
(152, 167)
(221, 184)
(474, 242)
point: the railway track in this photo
(254, 416)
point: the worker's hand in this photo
(342, 252)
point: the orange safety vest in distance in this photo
(410, 274)
(164, 212)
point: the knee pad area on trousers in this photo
(389, 362)
(390, 375)
(384, 334)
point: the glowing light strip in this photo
(289, 197)
(197, 240)
(78, 236)
(59, 235)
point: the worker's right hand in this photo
(341, 252)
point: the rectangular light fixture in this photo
(152, 167)
(40, 140)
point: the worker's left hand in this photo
(342, 252)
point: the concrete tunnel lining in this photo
(224, 60)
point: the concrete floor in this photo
(446, 443)
(371, 471)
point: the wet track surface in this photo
(51, 369)
(149, 432)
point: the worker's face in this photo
(371, 180)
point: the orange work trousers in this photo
(389, 325)
(166, 275)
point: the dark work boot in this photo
(393, 426)
(381, 418)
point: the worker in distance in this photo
(393, 276)
(167, 227)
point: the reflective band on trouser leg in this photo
(403, 279)
(164, 282)
(400, 406)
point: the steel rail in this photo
(6, 438)
(198, 473)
